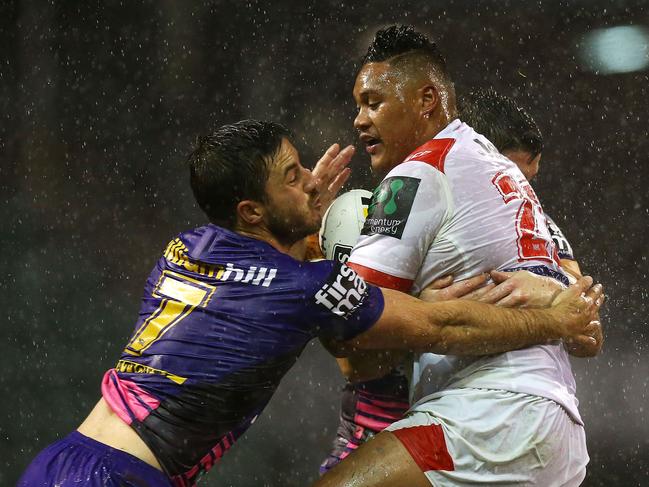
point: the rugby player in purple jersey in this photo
(226, 312)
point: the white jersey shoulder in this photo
(407, 210)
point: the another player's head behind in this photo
(507, 125)
(247, 177)
(404, 95)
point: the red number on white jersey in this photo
(529, 219)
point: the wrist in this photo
(555, 322)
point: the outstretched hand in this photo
(521, 289)
(577, 309)
(331, 173)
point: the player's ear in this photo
(250, 212)
(429, 100)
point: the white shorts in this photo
(491, 437)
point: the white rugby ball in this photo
(342, 224)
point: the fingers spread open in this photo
(516, 298)
(595, 292)
(342, 159)
(498, 293)
(442, 282)
(582, 284)
(339, 180)
(478, 294)
(461, 288)
(500, 276)
(327, 158)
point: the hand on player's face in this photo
(331, 173)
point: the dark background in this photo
(99, 104)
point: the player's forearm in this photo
(457, 327)
(479, 329)
(471, 328)
(366, 365)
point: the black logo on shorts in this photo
(390, 207)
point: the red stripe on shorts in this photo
(427, 446)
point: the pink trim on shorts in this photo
(376, 410)
(371, 398)
(427, 447)
(125, 398)
(371, 423)
(207, 462)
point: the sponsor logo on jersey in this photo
(128, 367)
(176, 253)
(253, 275)
(343, 292)
(390, 207)
(341, 253)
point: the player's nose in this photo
(309, 182)
(361, 121)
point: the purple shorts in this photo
(78, 460)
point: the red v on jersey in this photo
(433, 153)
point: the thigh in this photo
(381, 462)
(495, 438)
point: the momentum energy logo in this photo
(390, 206)
(343, 292)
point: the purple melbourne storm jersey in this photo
(223, 318)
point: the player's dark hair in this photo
(402, 45)
(501, 120)
(232, 164)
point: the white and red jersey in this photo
(456, 205)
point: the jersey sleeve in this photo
(407, 211)
(564, 250)
(338, 303)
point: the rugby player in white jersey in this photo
(373, 399)
(455, 205)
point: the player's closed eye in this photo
(293, 177)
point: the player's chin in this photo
(380, 164)
(314, 222)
